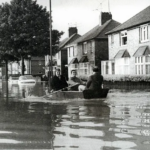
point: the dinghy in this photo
(86, 94)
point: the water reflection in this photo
(121, 121)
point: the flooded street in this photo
(29, 121)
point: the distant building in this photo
(91, 48)
(129, 47)
(37, 65)
(33, 65)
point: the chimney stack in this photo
(72, 30)
(103, 17)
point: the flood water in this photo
(29, 121)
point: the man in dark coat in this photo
(58, 81)
(95, 81)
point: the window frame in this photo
(123, 35)
(85, 48)
(69, 52)
(144, 35)
(83, 67)
(141, 65)
(112, 39)
(91, 47)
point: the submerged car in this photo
(13, 79)
(26, 79)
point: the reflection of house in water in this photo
(87, 127)
(84, 127)
(131, 122)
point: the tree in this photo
(56, 35)
(24, 30)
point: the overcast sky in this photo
(85, 13)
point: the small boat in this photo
(86, 94)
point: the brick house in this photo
(129, 47)
(72, 53)
(62, 55)
(91, 48)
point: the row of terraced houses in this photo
(117, 49)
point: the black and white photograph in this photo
(74, 74)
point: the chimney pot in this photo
(103, 17)
(72, 30)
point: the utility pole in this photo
(50, 38)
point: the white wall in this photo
(133, 43)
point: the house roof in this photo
(122, 53)
(98, 31)
(139, 19)
(74, 61)
(68, 40)
(83, 59)
(142, 51)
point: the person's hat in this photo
(95, 69)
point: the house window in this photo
(112, 39)
(69, 52)
(126, 60)
(123, 37)
(142, 65)
(85, 71)
(113, 68)
(90, 47)
(107, 67)
(83, 68)
(147, 58)
(74, 66)
(73, 53)
(144, 33)
(126, 65)
(85, 47)
(139, 64)
(148, 69)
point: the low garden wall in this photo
(125, 81)
(126, 85)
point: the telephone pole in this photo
(50, 38)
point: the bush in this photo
(133, 78)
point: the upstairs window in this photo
(69, 51)
(123, 37)
(85, 47)
(112, 39)
(91, 47)
(73, 52)
(144, 33)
